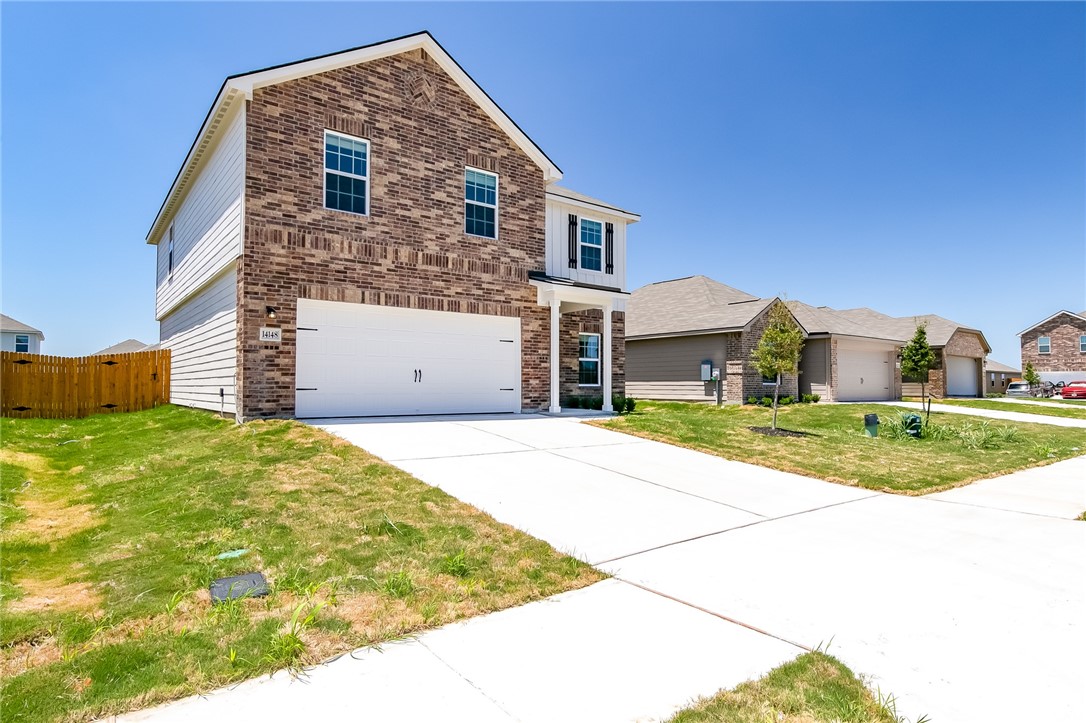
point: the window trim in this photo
(169, 254)
(1048, 344)
(325, 170)
(1082, 344)
(603, 242)
(598, 359)
(27, 342)
(496, 206)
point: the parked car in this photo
(1019, 389)
(1075, 390)
(1046, 389)
(1058, 386)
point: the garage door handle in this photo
(305, 389)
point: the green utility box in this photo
(912, 425)
(871, 425)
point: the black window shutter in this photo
(572, 241)
(609, 248)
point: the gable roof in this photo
(695, 304)
(125, 347)
(9, 324)
(570, 196)
(824, 320)
(1081, 316)
(994, 366)
(939, 329)
(238, 88)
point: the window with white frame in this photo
(22, 343)
(480, 203)
(346, 173)
(588, 363)
(1044, 345)
(591, 245)
(1082, 344)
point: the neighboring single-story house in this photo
(1056, 347)
(844, 360)
(997, 376)
(368, 233)
(959, 351)
(674, 327)
(127, 346)
(17, 336)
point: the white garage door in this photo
(363, 360)
(961, 376)
(862, 375)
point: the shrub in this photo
(752, 400)
(809, 398)
(767, 401)
(631, 404)
(618, 403)
(815, 398)
(595, 403)
(573, 402)
(787, 399)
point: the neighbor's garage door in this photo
(863, 375)
(362, 360)
(961, 376)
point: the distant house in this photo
(125, 347)
(850, 355)
(997, 376)
(1057, 347)
(17, 336)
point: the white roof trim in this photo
(598, 208)
(1045, 321)
(244, 85)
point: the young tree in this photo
(1030, 375)
(917, 359)
(778, 350)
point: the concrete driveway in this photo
(941, 600)
(967, 606)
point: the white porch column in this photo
(556, 356)
(605, 352)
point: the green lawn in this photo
(1062, 408)
(813, 688)
(960, 450)
(112, 525)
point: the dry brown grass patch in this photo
(55, 596)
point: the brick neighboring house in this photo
(849, 355)
(368, 233)
(673, 327)
(1056, 347)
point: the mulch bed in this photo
(770, 432)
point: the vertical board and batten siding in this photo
(207, 226)
(202, 336)
(671, 368)
(558, 245)
(197, 306)
(814, 368)
(54, 387)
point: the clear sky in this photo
(914, 158)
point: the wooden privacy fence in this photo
(36, 385)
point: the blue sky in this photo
(915, 158)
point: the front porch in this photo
(566, 298)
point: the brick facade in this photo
(1063, 332)
(961, 343)
(411, 249)
(590, 322)
(742, 380)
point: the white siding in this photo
(558, 245)
(207, 227)
(7, 341)
(202, 338)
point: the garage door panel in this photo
(863, 375)
(961, 376)
(362, 360)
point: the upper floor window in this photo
(1082, 344)
(346, 173)
(169, 254)
(591, 245)
(480, 203)
(588, 363)
(22, 343)
(1044, 345)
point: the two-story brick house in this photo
(1056, 347)
(368, 233)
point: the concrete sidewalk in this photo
(990, 413)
